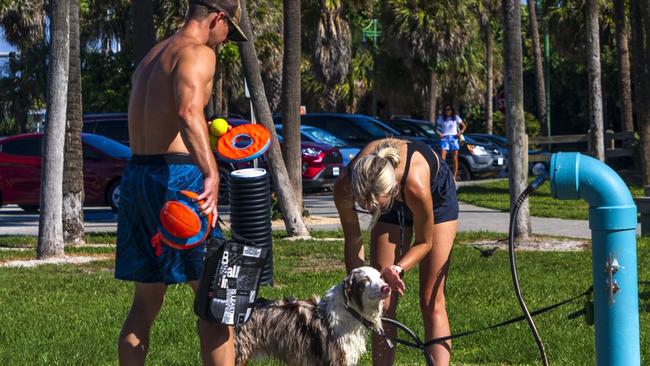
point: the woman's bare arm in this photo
(354, 252)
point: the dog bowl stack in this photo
(250, 212)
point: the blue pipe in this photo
(613, 222)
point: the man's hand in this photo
(392, 279)
(211, 196)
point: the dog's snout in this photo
(385, 289)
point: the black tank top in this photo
(438, 168)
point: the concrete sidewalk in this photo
(13, 221)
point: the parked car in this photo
(313, 134)
(20, 172)
(475, 159)
(115, 126)
(536, 168)
(356, 129)
(321, 163)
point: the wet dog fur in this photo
(316, 332)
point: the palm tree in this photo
(539, 67)
(291, 212)
(50, 228)
(624, 83)
(486, 12)
(597, 137)
(332, 50)
(73, 179)
(516, 129)
(428, 32)
(640, 55)
(291, 96)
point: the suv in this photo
(356, 129)
(476, 160)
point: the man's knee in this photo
(148, 300)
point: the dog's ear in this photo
(347, 289)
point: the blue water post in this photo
(613, 222)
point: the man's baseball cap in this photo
(232, 9)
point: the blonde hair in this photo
(373, 176)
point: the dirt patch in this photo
(317, 264)
(311, 220)
(543, 244)
(58, 260)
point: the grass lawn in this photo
(495, 195)
(71, 315)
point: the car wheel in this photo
(31, 209)
(463, 173)
(224, 175)
(113, 196)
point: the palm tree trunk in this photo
(291, 212)
(144, 33)
(433, 95)
(218, 92)
(596, 132)
(640, 55)
(73, 179)
(50, 228)
(516, 127)
(539, 67)
(291, 96)
(624, 83)
(489, 84)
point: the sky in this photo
(4, 47)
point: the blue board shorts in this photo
(450, 143)
(148, 182)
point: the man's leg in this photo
(217, 341)
(134, 337)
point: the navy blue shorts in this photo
(148, 182)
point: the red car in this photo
(20, 170)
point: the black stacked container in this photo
(250, 212)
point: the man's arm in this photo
(193, 74)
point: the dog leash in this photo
(423, 345)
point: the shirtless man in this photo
(171, 152)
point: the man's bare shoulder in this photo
(194, 53)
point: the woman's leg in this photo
(455, 155)
(384, 242)
(433, 275)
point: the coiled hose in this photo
(513, 265)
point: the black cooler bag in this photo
(230, 281)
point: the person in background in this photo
(450, 128)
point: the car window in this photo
(89, 127)
(108, 146)
(428, 128)
(117, 130)
(23, 147)
(407, 129)
(323, 137)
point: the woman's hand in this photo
(390, 275)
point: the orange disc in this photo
(244, 142)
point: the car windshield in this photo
(107, 146)
(371, 128)
(428, 128)
(324, 137)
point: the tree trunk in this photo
(144, 33)
(539, 66)
(291, 212)
(50, 228)
(489, 84)
(596, 135)
(291, 148)
(73, 178)
(641, 58)
(433, 95)
(218, 92)
(624, 83)
(515, 124)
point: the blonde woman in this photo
(410, 192)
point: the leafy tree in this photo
(429, 32)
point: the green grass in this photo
(71, 315)
(495, 195)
